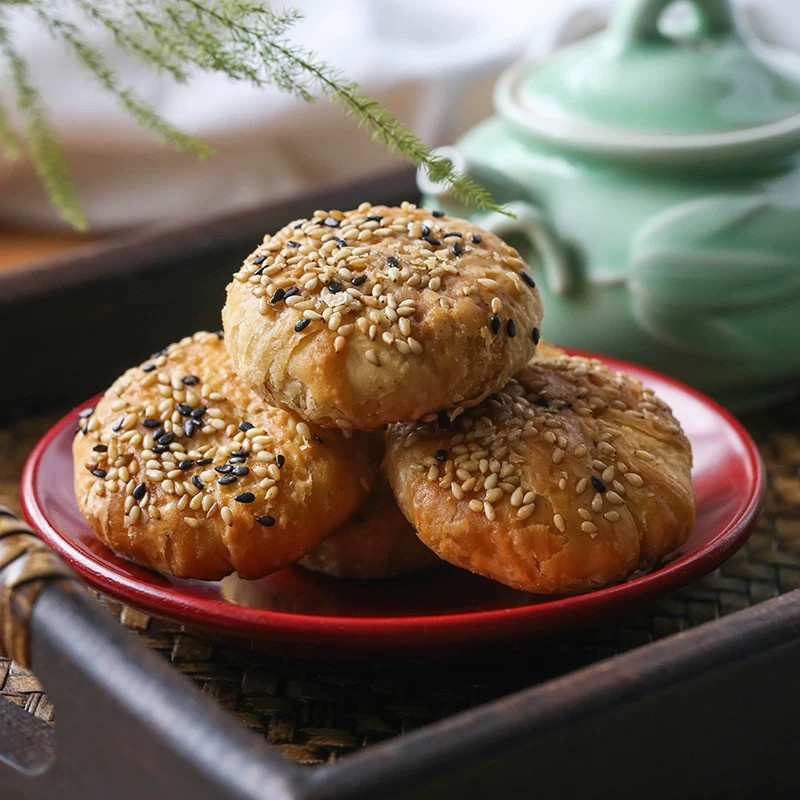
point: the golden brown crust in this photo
(570, 478)
(375, 543)
(169, 510)
(419, 313)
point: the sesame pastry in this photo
(570, 478)
(382, 314)
(375, 543)
(181, 468)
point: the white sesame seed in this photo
(227, 515)
(475, 505)
(634, 479)
(559, 522)
(495, 495)
(612, 516)
(581, 485)
(456, 491)
(135, 515)
(372, 357)
(488, 510)
(525, 511)
(588, 527)
(614, 499)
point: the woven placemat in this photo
(314, 711)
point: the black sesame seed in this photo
(331, 222)
(340, 242)
(528, 279)
(189, 428)
(223, 468)
(260, 270)
(227, 480)
(511, 328)
(440, 455)
(98, 473)
(457, 249)
(204, 462)
(159, 433)
(139, 492)
(536, 335)
(359, 279)
(187, 463)
(159, 353)
(302, 324)
(334, 286)
(476, 238)
(160, 448)
(267, 521)
(167, 438)
(291, 292)
(240, 472)
(236, 460)
(117, 426)
(318, 438)
(494, 324)
(442, 420)
(199, 412)
(374, 218)
(220, 335)
(437, 213)
(198, 483)
(246, 426)
(259, 260)
(86, 413)
(184, 409)
(430, 240)
(190, 380)
(148, 367)
(280, 460)
(100, 448)
(392, 262)
(279, 295)
(292, 243)
(151, 423)
(599, 484)
(425, 230)
(245, 497)
(241, 453)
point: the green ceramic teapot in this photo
(656, 181)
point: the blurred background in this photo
(431, 64)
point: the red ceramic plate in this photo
(441, 609)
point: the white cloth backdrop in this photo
(431, 63)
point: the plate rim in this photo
(482, 625)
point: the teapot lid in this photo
(637, 90)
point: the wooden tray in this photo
(708, 712)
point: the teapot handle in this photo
(531, 224)
(528, 220)
(636, 21)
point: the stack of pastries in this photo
(379, 401)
